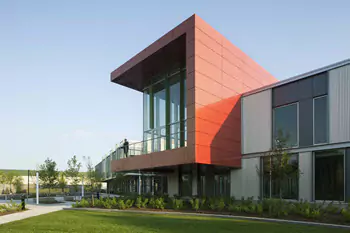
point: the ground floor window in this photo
(222, 185)
(185, 180)
(329, 175)
(273, 187)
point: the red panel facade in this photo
(222, 73)
(217, 74)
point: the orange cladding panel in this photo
(222, 73)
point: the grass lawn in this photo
(84, 221)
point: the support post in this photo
(139, 183)
(82, 188)
(28, 188)
(37, 188)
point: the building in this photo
(211, 113)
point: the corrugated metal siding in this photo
(339, 104)
(257, 122)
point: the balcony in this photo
(153, 144)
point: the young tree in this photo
(73, 172)
(90, 174)
(18, 183)
(62, 183)
(9, 179)
(278, 167)
(2, 181)
(48, 174)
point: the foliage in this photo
(93, 179)
(73, 172)
(195, 204)
(9, 179)
(62, 183)
(18, 183)
(177, 204)
(10, 207)
(274, 208)
(279, 168)
(48, 174)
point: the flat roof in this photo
(298, 77)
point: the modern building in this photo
(210, 114)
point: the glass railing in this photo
(155, 144)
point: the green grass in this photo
(84, 221)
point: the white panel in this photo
(339, 104)
(236, 183)
(245, 182)
(173, 183)
(305, 178)
(257, 122)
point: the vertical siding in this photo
(339, 104)
(257, 122)
(306, 176)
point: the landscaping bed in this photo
(267, 208)
(10, 208)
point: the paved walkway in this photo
(33, 210)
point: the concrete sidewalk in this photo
(33, 210)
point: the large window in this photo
(329, 175)
(320, 120)
(164, 113)
(274, 186)
(286, 124)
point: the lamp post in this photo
(37, 188)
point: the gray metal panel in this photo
(305, 88)
(299, 77)
(305, 123)
(285, 94)
(320, 84)
(339, 104)
(347, 174)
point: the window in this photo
(320, 120)
(286, 124)
(329, 175)
(272, 186)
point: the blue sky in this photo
(56, 99)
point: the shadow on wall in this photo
(218, 133)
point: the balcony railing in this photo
(151, 145)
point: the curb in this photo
(274, 220)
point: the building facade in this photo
(210, 114)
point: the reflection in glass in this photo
(286, 124)
(329, 175)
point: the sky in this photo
(56, 98)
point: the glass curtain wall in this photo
(164, 112)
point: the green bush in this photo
(152, 203)
(195, 204)
(220, 205)
(138, 202)
(212, 204)
(144, 203)
(129, 203)
(121, 205)
(159, 203)
(177, 204)
(331, 209)
(346, 214)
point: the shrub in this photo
(121, 205)
(212, 204)
(152, 203)
(144, 203)
(159, 203)
(129, 203)
(331, 209)
(195, 204)
(346, 214)
(220, 204)
(138, 202)
(177, 204)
